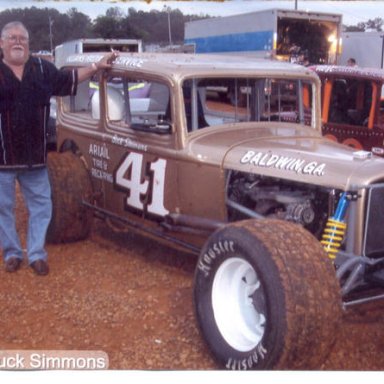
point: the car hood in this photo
(287, 152)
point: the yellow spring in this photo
(333, 236)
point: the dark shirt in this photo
(24, 110)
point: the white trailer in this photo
(274, 33)
(367, 48)
(95, 45)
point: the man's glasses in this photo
(16, 39)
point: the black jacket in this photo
(24, 111)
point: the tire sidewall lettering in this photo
(289, 265)
(219, 249)
(214, 255)
(249, 362)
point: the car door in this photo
(136, 158)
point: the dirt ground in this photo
(132, 298)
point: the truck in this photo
(95, 45)
(289, 35)
(285, 225)
(367, 48)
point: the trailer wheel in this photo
(266, 297)
(70, 185)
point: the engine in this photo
(251, 195)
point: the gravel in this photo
(132, 298)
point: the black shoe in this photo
(13, 264)
(40, 267)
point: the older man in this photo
(26, 86)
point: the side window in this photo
(138, 104)
(338, 108)
(359, 96)
(130, 103)
(288, 101)
(350, 102)
(195, 105)
(81, 103)
(220, 101)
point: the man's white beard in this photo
(18, 54)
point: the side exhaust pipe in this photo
(191, 224)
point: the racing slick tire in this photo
(266, 296)
(71, 185)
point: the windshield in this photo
(218, 101)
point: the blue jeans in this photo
(36, 190)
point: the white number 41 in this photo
(129, 177)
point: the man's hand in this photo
(104, 63)
(107, 60)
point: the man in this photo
(351, 62)
(26, 86)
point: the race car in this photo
(285, 224)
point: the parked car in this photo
(286, 224)
(352, 106)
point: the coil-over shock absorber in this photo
(335, 228)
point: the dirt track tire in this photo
(266, 297)
(70, 185)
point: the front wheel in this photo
(266, 296)
(70, 185)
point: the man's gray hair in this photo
(13, 24)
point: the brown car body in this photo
(171, 159)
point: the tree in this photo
(372, 24)
(64, 27)
(375, 24)
(115, 12)
(106, 27)
(110, 25)
(46, 24)
(80, 24)
(354, 28)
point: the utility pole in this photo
(296, 4)
(382, 52)
(168, 10)
(50, 33)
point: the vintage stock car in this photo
(286, 224)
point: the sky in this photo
(353, 12)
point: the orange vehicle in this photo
(352, 106)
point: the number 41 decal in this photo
(129, 176)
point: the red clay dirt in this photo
(132, 298)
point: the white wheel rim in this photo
(240, 324)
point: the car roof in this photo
(346, 71)
(196, 64)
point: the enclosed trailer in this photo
(290, 35)
(367, 48)
(95, 45)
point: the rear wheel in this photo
(71, 185)
(266, 296)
